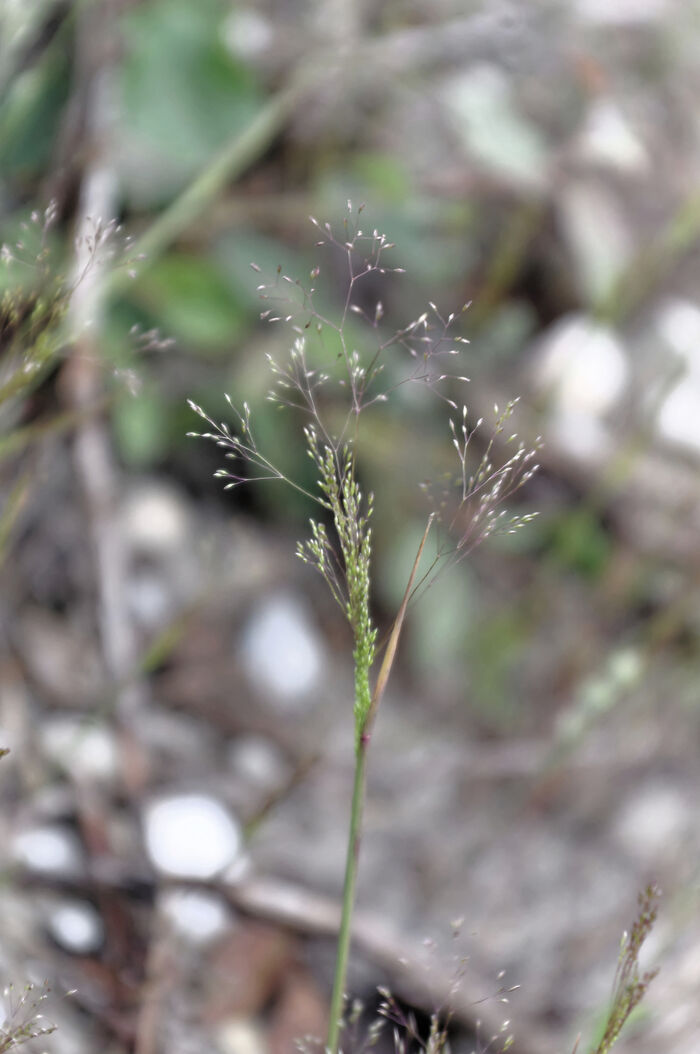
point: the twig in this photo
(82, 376)
(472, 1002)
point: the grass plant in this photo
(630, 984)
(36, 293)
(331, 385)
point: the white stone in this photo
(580, 436)
(52, 849)
(583, 366)
(257, 761)
(191, 835)
(282, 653)
(608, 139)
(76, 926)
(622, 12)
(150, 599)
(678, 420)
(652, 823)
(678, 324)
(241, 1036)
(196, 915)
(247, 33)
(80, 746)
(154, 518)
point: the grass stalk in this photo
(351, 862)
(357, 809)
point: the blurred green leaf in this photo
(433, 239)
(30, 112)
(190, 300)
(141, 427)
(507, 332)
(493, 129)
(441, 620)
(496, 645)
(237, 251)
(383, 175)
(580, 543)
(183, 93)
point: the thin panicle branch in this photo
(469, 505)
(427, 341)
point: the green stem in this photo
(353, 853)
(364, 734)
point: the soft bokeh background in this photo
(175, 686)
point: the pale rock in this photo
(581, 437)
(76, 926)
(678, 324)
(583, 368)
(653, 822)
(678, 419)
(608, 139)
(52, 849)
(191, 836)
(241, 1036)
(258, 761)
(622, 12)
(196, 915)
(150, 599)
(164, 567)
(154, 518)
(247, 33)
(282, 653)
(80, 747)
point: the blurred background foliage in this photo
(540, 160)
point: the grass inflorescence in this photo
(331, 384)
(630, 984)
(24, 1020)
